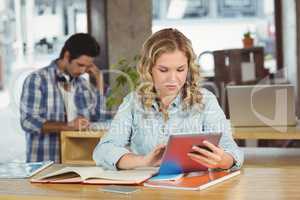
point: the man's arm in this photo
(55, 127)
(96, 79)
(33, 110)
(79, 123)
(32, 104)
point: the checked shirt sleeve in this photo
(32, 104)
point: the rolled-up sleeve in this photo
(112, 145)
(215, 121)
(32, 105)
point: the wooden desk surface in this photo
(273, 174)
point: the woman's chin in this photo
(171, 93)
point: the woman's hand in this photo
(131, 161)
(154, 158)
(217, 158)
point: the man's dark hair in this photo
(80, 44)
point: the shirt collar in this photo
(59, 75)
(175, 103)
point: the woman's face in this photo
(169, 73)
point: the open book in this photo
(194, 180)
(97, 175)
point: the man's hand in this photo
(96, 77)
(79, 123)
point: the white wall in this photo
(289, 41)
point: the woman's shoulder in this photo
(131, 99)
(207, 95)
(130, 103)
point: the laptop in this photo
(261, 105)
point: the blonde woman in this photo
(168, 101)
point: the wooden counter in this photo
(273, 174)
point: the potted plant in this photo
(125, 79)
(248, 40)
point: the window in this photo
(178, 9)
(220, 24)
(233, 8)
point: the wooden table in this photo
(267, 174)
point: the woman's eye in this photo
(163, 70)
(180, 70)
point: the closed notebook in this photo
(194, 180)
(97, 175)
(13, 170)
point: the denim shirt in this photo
(137, 131)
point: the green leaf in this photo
(121, 83)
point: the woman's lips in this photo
(171, 87)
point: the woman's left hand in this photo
(217, 158)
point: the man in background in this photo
(58, 97)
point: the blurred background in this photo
(32, 33)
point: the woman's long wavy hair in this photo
(167, 41)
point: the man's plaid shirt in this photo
(41, 101)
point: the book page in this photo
(83, 172)
(135, 175)
(96, 172)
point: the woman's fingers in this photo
(202, 160)
(211, 146)
(207, 154)
(209, 159)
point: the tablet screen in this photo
(175, 159)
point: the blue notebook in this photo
(21, 170)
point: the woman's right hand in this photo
(154, 158)
(131, 161)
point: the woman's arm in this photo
(112, 145)
(216, 122)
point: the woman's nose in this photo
(172, 76)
